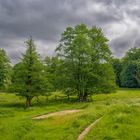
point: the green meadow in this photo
(120, 120)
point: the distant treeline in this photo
(127, 69)
(83, 65)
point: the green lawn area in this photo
(120, 114)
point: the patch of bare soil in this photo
(59, 113)
(86, 130)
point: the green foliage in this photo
(5, 71)
(84, 53)
(28, 75)
(51, 67)
(105, 81)
(130, 73)
(137, 72)
(127, 78)
(117, 66)
(132, 55)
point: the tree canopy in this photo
(130, 71)
(85, 61)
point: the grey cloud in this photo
(125, 42)
(45, 20)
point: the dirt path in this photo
(59, 113)
(86, 131)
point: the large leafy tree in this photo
(28, 76)
(84, 54)
(5, 70)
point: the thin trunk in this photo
(85, 96)
(80, 96)
(68, 96)
(28, 102)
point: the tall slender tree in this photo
(28, 77)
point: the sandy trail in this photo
(59, 113)
(86, 130)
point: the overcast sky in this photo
(45, 20)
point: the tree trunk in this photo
(68, 97)
(85, 97)
(28, 102)
(80, 97)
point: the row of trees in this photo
(127, 69)
(82, 66)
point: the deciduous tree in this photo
(84, 53)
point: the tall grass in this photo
(120, 111)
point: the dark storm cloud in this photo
(45, 20)
(124, 42)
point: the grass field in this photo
(120, 114)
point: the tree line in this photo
(83, 65)
(127, 69)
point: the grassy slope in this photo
(120, 111)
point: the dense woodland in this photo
(83, 65)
